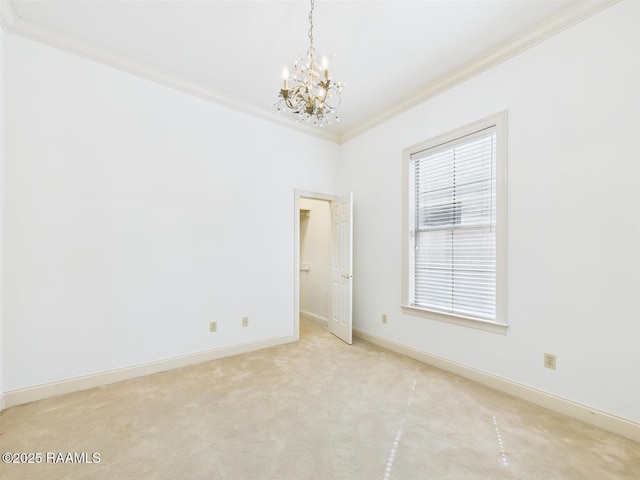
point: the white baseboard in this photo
(316, 318)
(619, 426)
(39, 392)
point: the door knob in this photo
(347, 275)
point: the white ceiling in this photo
(385, 51)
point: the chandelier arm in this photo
(311, 26)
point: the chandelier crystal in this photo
(309, 93)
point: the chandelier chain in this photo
(311, 49)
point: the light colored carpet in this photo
(317, 409)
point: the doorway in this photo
(315, 259)
(323, 273)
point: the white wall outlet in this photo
(384, 318)
(213, 326)
(245, 321)
(550, 361)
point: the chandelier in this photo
(309, 93)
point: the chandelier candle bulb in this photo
(325, 67)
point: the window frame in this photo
(497, 121)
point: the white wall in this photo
(315, 252)
(573, 215)
(135, 215)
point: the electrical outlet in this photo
(384, 318)
(550, 361)
(213, 326)
(245, 321)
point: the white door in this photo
(340, 310)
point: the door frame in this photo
(298, 194)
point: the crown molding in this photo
(7, 15)
(581, 10)
(553, 25)
(90, 51)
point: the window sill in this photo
(477, 323)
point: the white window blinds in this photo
(452, 203)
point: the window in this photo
(455, 235)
